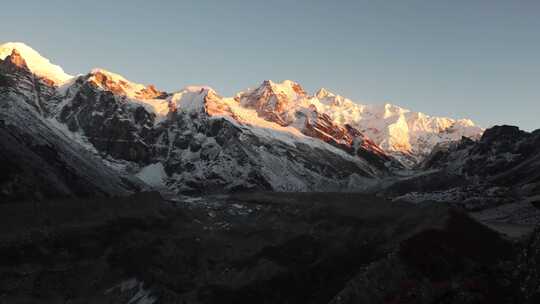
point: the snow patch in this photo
(190, 99)
(153, 175)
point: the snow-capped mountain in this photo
(192, 140)
(409, 136)
(40, 159)
(37, 64)
(202, 141)
(276, 136)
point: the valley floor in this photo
(253, 248)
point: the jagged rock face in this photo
(16, 60)
(212, 154)
(503, 151)
(118, 85)
(346, 138)
(287, 105)
(113, 124)
(102, 80)
(38, 160)
(17, 79)
(272, 101)
(150, 92)
(406, 135)
(503, 134)
(204, 146)
(502, 167)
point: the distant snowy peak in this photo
(323, 93)
(288, 88)
(405, 134)
(275, 102)
(36, 63)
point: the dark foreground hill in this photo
(257, 248)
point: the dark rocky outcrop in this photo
(501, 149)
(502, 167)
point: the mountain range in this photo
(274, 137)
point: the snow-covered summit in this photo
(324, 93)
(401, 132)
(190, 99)
(397, 130)
(276, 102)
(37, 64)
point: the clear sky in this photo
(471, 58)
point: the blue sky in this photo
(474, 59)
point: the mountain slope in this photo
(218, 148)
(100, 105)
(39, 160)
(500, 172)
(504, 155)
(205, 142)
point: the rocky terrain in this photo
(258, 247)
(503, 166)
(496, 179)
(38, 159)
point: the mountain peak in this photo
(272, 99)
(190, 99)
(323, 93)
(16, 59)
(95, 71)
(119, 85)
(36, 63)
(287, 87)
